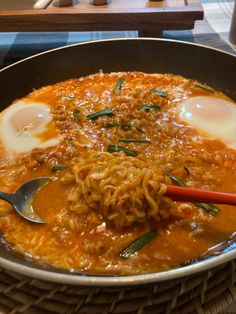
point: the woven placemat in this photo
(207, 292)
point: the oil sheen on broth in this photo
(167, 124)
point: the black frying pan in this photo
(210, 66)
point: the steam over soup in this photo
(111, 143)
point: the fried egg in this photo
(216, 117)
(26, 125)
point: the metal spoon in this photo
(22, 199)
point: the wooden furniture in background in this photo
(150, 18)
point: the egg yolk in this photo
(26, 125)
(50, 132)
(28, 118)
(214, 117)
(207, 109)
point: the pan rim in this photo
(122, 280)
(102, 281)
(116, 39)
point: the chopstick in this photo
(42, 4)
(183, 194)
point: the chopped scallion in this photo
(117, 148)
(134, 140)
(67, 97)
(138, 244)
(75, 113)
(175, 179)
(205, 88)
(104, 112)
(119, 84)
(148, 107)
(210, 208)
(114, 124)
(58, 168)
(159, 92)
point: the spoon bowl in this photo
(22, 199)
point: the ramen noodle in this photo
(111, 144)
(123, 189)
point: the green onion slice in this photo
(175, 179)
(117, 148)
(67, 97)
(138, 244)
(210, 208)
(134, 140)
(159, 92)
(75, 113)
(104, 112)
(119, 85)
(58, 168)
(205, 88)
(148, 107)
(114, 124)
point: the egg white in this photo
(215, 117)
(24, 138)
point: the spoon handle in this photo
(6, 197)
(183, 194)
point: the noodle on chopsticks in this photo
(124, 190)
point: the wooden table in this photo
(150, 18)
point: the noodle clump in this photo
(122, 189)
